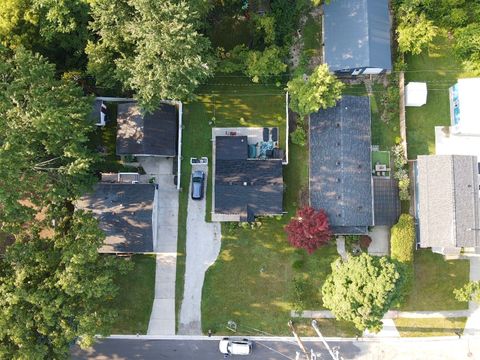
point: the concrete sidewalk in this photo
(472, 327)
(203, 246)
(391, 314)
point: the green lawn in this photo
(233, 101)
(430, 327)
(437, 67)
(135, 297)
(434, 282)
(328, 327)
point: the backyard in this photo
(134, 300)
(438, 67)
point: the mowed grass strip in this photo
(430, 327)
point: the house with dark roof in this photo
(245, 185)
(357, 36)
(340, 180)
(151, 134)
(126, 213)
(447, 203)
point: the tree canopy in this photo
(414, 32)
(43, 134)
(151, 47)
(361, 290)
(320, 91)
(55, 29)
(55, 288)
(309, 229)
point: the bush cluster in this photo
(400, 171)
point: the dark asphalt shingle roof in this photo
(340, 164)
(231, 147)
(448, 200)
(125, 215)
(386, 201)
(357, 34)
(246, 187)
(150, 134)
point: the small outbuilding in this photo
(416, 94)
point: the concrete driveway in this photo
(162, 318)
(203, 247)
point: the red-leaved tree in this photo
(309, 229)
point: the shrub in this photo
(365, 242)
(402, 239)
(299, 136)
(400, 171)
(402, 244)
(309, 229)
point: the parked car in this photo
(198, 179)
(228, 346)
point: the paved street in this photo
(201, 350)
(181, 348)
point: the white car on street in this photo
(230, 346)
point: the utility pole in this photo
(297, 338)
(317, 330)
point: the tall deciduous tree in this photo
(414, 31)
(55, 288)
(361, 290)
(320, 91)
(150, 47)
(56, 29)
(309, 229)
(467, 46)
(44, 129)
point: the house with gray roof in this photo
(340, 165)
(245, 186)
(447, 202)
(357, 37)
(126, 214)
(151, 134)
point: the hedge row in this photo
(402, 241)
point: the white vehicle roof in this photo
(234, 347)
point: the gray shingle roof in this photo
(246, 187)
(386, 201)
(448, 200)
(357, 34)
(125, 215)
(340, 164)
(150, 134)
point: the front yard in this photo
(134, 300)
(434, 281)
